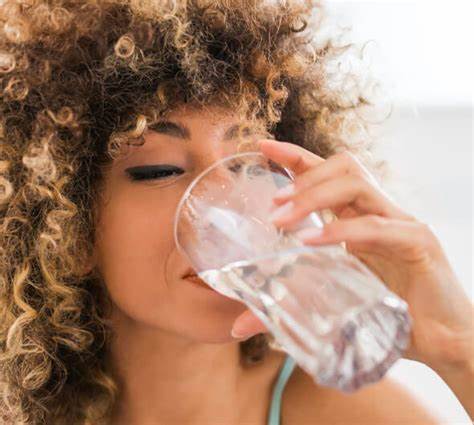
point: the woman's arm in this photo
(457, 371)
(461, 382)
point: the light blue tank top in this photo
(275, 406)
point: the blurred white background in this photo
(423, 52)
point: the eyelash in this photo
(151, 172)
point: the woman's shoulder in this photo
(387, 402)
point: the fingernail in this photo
(237, 333)
(309, 233)
(286, 191)
(280, 212)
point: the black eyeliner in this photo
(149, 172)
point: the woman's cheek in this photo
(134, 241)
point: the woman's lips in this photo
(194, 279)
(198, 281)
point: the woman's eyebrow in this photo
(182, 132)
(171, 129)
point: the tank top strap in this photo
(275, 406)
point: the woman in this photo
(109, 110)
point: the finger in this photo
(247, 325)
(289, 155)
(410, 240)
(348, 190)
(336, 165)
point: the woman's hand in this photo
(402, 251)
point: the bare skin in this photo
(173, 353)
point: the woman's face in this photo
(135, 250)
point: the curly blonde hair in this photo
(78, 81)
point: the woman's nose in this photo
(216, 161)
(221, 173)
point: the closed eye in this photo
(152, 172)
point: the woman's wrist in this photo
(456, 369)
(460, 380)
(456, 352)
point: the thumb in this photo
(247, 325)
